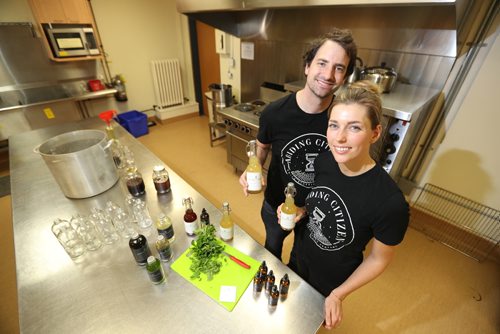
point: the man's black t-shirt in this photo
(345, 213)
(296, 138)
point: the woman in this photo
(353, 201)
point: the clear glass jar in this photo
(161, 179)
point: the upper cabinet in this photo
(62, 11)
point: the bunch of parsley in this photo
(205, 253)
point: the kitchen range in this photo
(242, 124)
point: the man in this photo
(293, 128)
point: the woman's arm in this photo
(371, 267)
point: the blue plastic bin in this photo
(134, 122)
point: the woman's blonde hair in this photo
(364, 93)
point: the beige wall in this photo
(230, 66)
(468, 160)
(136, 32)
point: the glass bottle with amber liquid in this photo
(226, 223)
(254, 169)
(288, 209)
(164, 227)
(190, 217)
(135, 182)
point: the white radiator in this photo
(167, 83)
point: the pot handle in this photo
(108, 144)
(36, 149)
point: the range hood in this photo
(418, 27)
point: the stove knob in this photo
(236, 125)
(394, 137)
(390, 149)
(247, 130)
(228, 122)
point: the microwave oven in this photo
(72, 41)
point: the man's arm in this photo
(262, 151)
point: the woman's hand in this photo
(301, 212)
(333, 311)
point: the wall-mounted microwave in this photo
(72, 41)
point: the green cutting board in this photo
(231, 274)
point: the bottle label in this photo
(191, 227)
(226, 233)
(156, 276)
(168, 233)
(141, 254)
(165, 253)
(254, 180)
(287, 221)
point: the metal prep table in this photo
(105, 291)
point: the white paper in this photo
(227, 294)
(247, 50)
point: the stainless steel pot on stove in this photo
(80, 161)
(382, 76)
(356, 73)
(222, 95)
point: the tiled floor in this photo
(428, 288)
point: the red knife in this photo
(238, 261)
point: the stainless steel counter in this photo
(105, 291)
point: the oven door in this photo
(237, 150)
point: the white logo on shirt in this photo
(329, 223)
(297, 157)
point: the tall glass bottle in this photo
(117, 149)
(190, 217)
(165, 227)
(254, 169)
(226, 223)
(204, 217)
(140, 250)
(288, 209)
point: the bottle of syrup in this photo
(165, 227)
(135, 182)
(190, 217)
(226, 223)
(254, 169)
(288, 209)
(161, 179)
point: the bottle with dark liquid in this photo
(135, 182)
(190, 217)
(263, 269)
(274, 294)
(161, 179)
(270, 279)
(258, 282)
(204, 217)
(284, 286)
(140, 249)
(163, 248)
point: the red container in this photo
(95, 85)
